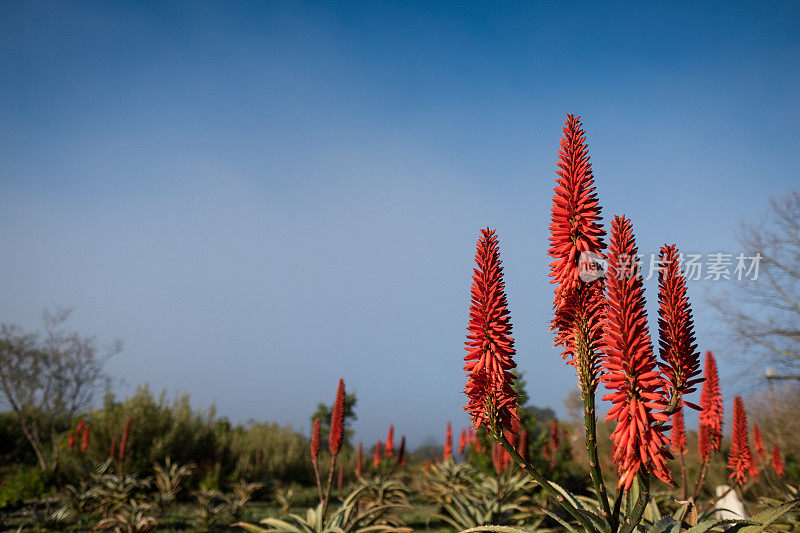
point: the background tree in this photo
(47, 378)
(324, 411)
(763, 314)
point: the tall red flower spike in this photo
(523, 444)
(448, 443)
(500, 458)
(678, 350)
(554, 434)
(71, 442)
(125, 436)
(678, 435)
(85, 442)
(777, 462)
(401, 455)
(389, 449)
(462, 442)
(740, 461)
(490, 394)
(377, 459)
(711, 407)
(337, 421)
(758, 443)
(547, 453)
(576, 242)
(632, 376)
(703, 443)
(360, 460)
(315, 441)
(112, 447)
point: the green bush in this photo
(25, 484)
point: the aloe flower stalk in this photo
(448, 443)
(337, 421)
(335, 439)
(85, 442)
(125, 435)
(71, 441)
(491, 400)
(777, 462)
(389, 449)
(758, 443)
(401, 455)
(678, 434)
(677, 348)
(340, 478)
(523, 444)
(740, 460)
(576, 245)
(462, 442)
(112, 447)
(315, 454)
(377, 459)
(632, 376)
(711, 406)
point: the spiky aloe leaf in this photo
(666, 524)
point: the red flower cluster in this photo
(576, 241)
(462, 442)
(377, 459)
(711, 409)
(740, 461)
(390, 442)
(631, 370)
(315, 441)
(678, 351)
(448, 443)
(678, 434)
(489, 362)
(401, 455)
(777, 462)
(337, 421)
(758, 443)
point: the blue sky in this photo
(259, 198)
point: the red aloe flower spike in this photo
(427, 466)
(678, 350)
(758, 443)
(523, 444)
(315, 441)
(777, 462)
(85, 443)
(71, 442)
(554, 434)
(632, 376)
(547, 452)
(448, 443)
(489, 388)
(500, 458)
(711, 406)
(112, 447)
(576, 243)
(678, 434)
(377, 459)
(703, 443)
(401, 455)
(360, 460)
(81, 425)
(462, 442)
(389, 449)
(337, 421)
(125, 435)
(740, 461)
